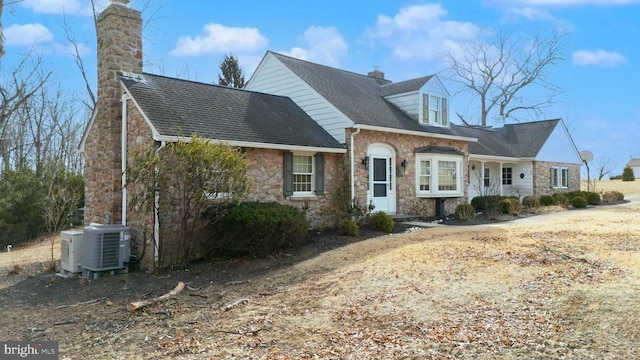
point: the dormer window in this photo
(435, 110)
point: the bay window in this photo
(438, 176)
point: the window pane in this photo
(554, 177)
(379, 190)
(565, 177)
(425, 175)
(302, 183)
(506, 176)
(302, 173)
(302, 164)
(434, 103)
(425, 167)
(447, 176)
(379, 169)
(487, 177)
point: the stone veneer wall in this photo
(404, 146)
(119, 34)
(542, 177)
(266, 174)
(140, 220)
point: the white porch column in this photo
(500, 179)
(482, 187)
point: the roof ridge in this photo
(204, 83)
(532, 122)
(328, 67)
(404, 81)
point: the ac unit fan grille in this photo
(64, 251)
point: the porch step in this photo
(404, 217)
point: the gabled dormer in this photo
(434, 103)
(425, 99)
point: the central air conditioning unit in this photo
(105, 247)
(71, 251)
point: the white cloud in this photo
(421, 32)
(325, 45)
(69, 7)
(598, 58)
(529, 13)
(218, 38)
(27, 34)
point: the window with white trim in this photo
(425, 175)
(435, 110)
(438, 175)
(507, 178)
(302, 174)
(559, 177)
(487, 177)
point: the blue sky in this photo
(600, 101)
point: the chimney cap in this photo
(120, 2)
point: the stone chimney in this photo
(119, 39)
(376, 73)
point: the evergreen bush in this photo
(547, 200)
(381, 222)
(579, 202)
(256, 229)
(593, 198)
(348, 227)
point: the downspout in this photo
(353, 166)
(123, 158)
(156, 216)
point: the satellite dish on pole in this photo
(586, 155)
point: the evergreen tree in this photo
(627, 174)
(232, 75)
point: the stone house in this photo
(307, 130)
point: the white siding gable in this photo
(559, 148)
(407, 102)
(273, 77)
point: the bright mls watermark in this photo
(32, 350)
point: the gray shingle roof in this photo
(178, 107)
(513, 140)
(634, 162)
(360, 97)
(404, 86)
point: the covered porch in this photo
(500, 176)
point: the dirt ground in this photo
(555, 286)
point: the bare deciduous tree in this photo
(604, 167)
(498, 69)
(24, 82)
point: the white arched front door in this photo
(382, 175)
